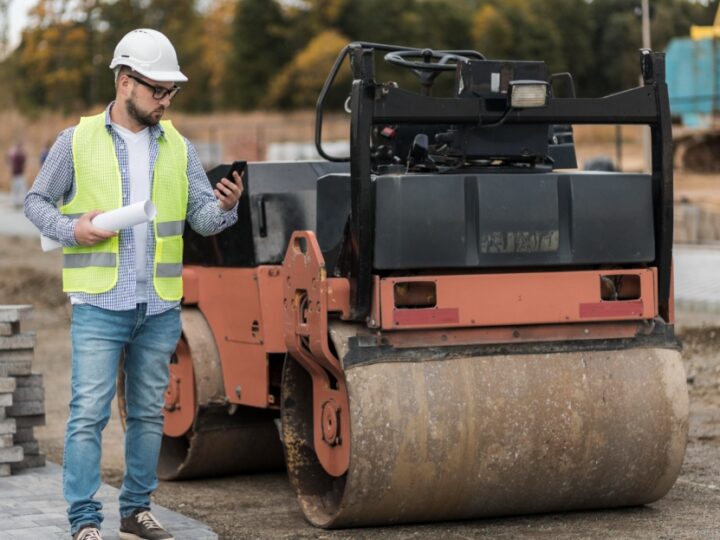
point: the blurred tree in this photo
(616, 44)
(240, 53)
(53, 62)
(324, 14)
(381, 22)
(575, 47)
(65, 53)
(518, 29)
(445, 24)
(182, 23)
(492, 32)
(216, 45)
(617, 36)
(299, 83)
(115, 19)
(260, 47)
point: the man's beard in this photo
(145, 119)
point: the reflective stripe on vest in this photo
(169, 270)
(98, 186)
(171, 228)
(83, 260)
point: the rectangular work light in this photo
(525, 94)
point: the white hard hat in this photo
(149, 53)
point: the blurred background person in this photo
(17, 159)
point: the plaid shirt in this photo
(56, 180)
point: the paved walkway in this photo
(13, 222)
(32, 507)
(697, 278)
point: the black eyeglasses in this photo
(158, 92)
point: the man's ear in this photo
(124, 81)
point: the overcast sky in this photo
(18, 19)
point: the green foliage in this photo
(243, 54)
(298, 84)
(53, 65)
(260, 39)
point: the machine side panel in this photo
(516, 299)
(513, 220)
(270, 284)
(230, 301)
(611, 218)
(279, 198)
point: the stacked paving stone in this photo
(22, 396)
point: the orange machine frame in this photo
(256, 312)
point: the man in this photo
(17, 158)
(124, 288)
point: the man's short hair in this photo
(119, 70)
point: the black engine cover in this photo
(501, 220)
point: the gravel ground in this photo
(263, 506)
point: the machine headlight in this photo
(525, 94)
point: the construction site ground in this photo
(263, 506)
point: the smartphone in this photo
(239, 166)
(217, 174)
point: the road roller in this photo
(450, 322)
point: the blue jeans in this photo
(98, 337)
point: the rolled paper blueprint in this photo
(114, 220)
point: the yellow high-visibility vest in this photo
(98, 186)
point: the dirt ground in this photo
(263, 506)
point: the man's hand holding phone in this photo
(229, 190)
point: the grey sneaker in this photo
(142, 525)
(88, 532)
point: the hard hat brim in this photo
(159, 76)
(163, 76)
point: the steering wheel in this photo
(421, 63)
(400, 58)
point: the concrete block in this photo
(9, 313)
(28, 393)
(14, 454)
(7, 425)
(26, 408)
(7, 384)
(25, 340)
(2, 413)
(30, 421)
(6, 441)
(30, 448)
(6, 400)
(23, 435)
(4, 469)
(16, 355)
(9, 328)
(14, 367)
(36, 379)
(28, 462)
